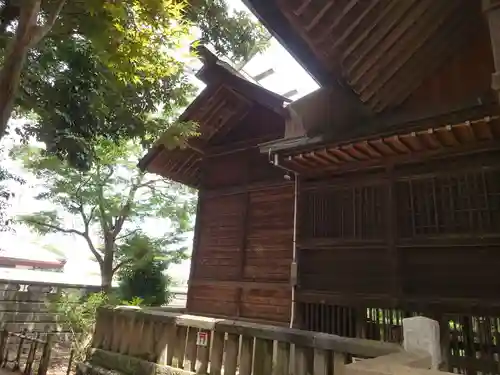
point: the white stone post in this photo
(421, 334)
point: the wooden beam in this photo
(492, 10)
(373, 40)
(402, 25)
(431, 57)
(320, 15)
(369, 30)
(338, 41)
(340, 16)
(302, 8)
(431, 21)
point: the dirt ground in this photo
(59, 362)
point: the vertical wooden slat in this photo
(217, 353)
(45, 360)
(190, 363)
(304, 361)
(31, 355)
(339, 361)
(231, 354)
(128, 330)
(147, 340)
(98, 338)
(169, 349)
(282, 364)
(321, 359)
(135, 346)
(202, 359)
(263, 358)
(246, 355)
(180, 347)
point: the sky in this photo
(24, 243)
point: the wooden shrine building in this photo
(374, 198)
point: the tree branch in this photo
(40, 31)
(56, 227)
(121, 264)
(125, 211)
(100, 201)
(128, 234)
(85, 235)
(92, 248)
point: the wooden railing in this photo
(14, 358)
(144, 341)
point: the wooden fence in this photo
(36, 360)
(134, 341)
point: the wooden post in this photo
(4, 336)
(31, 355)
(17, 361)
(45, 360)
(492, 10)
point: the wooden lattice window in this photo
(461, 203)
(350, 212)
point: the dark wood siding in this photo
(241, 266)
(428, 231)
(377, 247)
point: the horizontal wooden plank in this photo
(240, 284)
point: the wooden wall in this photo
(421, 232)
(243, 237)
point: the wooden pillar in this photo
(491, 8)
(391, 234)
(243, 256)
(196, 241)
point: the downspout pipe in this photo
(293, 267)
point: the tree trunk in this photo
(106, 282)
(15, 58)
(107, 266)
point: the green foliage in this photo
(7, 193)
(146, 283)
(78, 313)
(233, 35)
(109, 205)
(135, 301)
(144, 265)
(85, 100)
(102, 69)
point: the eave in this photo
(321, 158)
(221, 106)
(380, 49)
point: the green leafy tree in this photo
(70, 62)
(7, 192)
(232, 34)
(109, 204)
(143, 276)
(77, 313)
